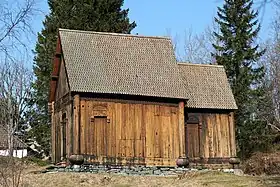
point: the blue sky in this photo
(171, 17)
(157, 17)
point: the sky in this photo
(172, 17)
(162, 17)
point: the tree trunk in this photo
(10, 127)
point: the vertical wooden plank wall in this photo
(76, 125)
(232, 134)
(136, 133)
(57, 135)
(217, 137)
(69, 127)
(53, 132)
(181, 124)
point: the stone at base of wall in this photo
(238, 172)
(135, 170)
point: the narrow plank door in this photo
(100, 136)
(192, 138)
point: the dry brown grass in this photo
(263, 163)
(197, 179)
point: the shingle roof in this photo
(207, 86)
(4, 140)
(121, 64)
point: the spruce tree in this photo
(89, 15)
(239, 54)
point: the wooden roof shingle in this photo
(121, 64)
(207, 86)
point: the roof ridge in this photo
(206, 65)
(115, 34)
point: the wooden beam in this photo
(76, 128)
(181, 126)
(232, 134)
(200, 137)
(54, 77)
(53, 131)
(58, 54)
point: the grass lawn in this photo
(195, 179)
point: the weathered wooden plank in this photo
(143, 132)
(201, 136)
(210, 135)
(224, 135)
(166, 130)
(124, 129)
(165, 138)
(94, 139)
(157, 147)
(118, 122)
(83, 126)
(53, 123)
(223, 141)
(137, 131)
(69, 130)
(129, 130)
(148, 117)
(113, 126)
(170, 130)
(215, 146)
(176, 139)
(206, 134)
(181, 123)
(76, 125)
(218, 137)
(89, 129)
(232, 134)
(110, 131)
(58, 135)
(62, 129)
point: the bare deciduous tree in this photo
(15, 80)
(11, 171)
(198, 47)
(271, 82)
(15, 89)
(15, 24)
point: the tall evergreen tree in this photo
(238, 53)
(90, 15)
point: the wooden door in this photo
(192, 140)
(100, 136)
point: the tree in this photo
(15, 24)
(238, 53)
(97, 15)
(15, 90)
(270, 108)
(15, 80)
(195, 45)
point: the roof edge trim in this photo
(115, 34)
(206, 65)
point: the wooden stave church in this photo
(149, 109)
